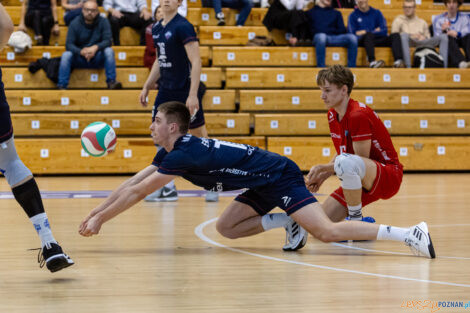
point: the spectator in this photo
(243, 5)
(73, 8)
(150, 53)
(88, 46)
(288, 15)
(41, 16)
(370, 28)
(182, 9)
(414, 31)
(328, 29)
(133, 13)
(457, 28)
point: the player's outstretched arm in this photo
(192, 50)
(154, 75)
(6, 27)
(127, 197)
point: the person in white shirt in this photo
(133, 13)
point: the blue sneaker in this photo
(366, 219)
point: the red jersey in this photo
(361, 123)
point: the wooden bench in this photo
(66, 156)
(380, 100)
(396, 123)
(21, 78)
(128, 37)
(102, 100)
(415, 153)
(290, 56)
(235, 36)
(61, 124)
(365, 78)
(124, 55)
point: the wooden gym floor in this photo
(169, 258)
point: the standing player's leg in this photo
(247, 216)
(355, 174)
(26, 192)
(313, 218)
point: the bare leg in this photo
(334, 210)
(239, 220)
(316, 222)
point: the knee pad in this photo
(10, 164)
(350, 169)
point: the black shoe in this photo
(114, 85)
(221, 19)
(54, 258)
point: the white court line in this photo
(391, 252)
(199, 231)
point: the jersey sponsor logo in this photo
(333, 135)
(286, 200)
(168, 34)
(362, 105)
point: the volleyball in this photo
(98, 139)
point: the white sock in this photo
(355, 212)
(392, 233)
(171, 185)
(41, 224)
(274, 220)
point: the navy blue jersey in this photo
(220, 165)
(169, 41)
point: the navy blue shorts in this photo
(181, 96)
(6, 129)
(288, 192)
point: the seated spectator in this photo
(88, 45)
(344, 4)
(41, 16)
(456, 26)
(370, 28)
(182, 9)
(150, 53)
(243, 5)
(327, 27)
(414, 31)
(133, 13)
(288, 15)
(73, 8)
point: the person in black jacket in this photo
(88, 45)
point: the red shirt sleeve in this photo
(360, 126)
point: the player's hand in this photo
(22, 27)
(193, 105)
(90, 226)
(143, 97)
(316, 177)
(117, 14)
(361, 32)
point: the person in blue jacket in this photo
(327, 27)
(370, 28)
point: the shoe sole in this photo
(169, 199)
(58, 262)
(431, 248)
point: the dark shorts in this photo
(6, 129)
(181, 96)
(288, 193)
(386, 185)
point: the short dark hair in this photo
(459, 2)
(337, 75)
(176, 112)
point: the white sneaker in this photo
(296, 236)
(153, 196)
(212, 196)
(164, 194)
(419, 241)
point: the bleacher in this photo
(264, 96)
